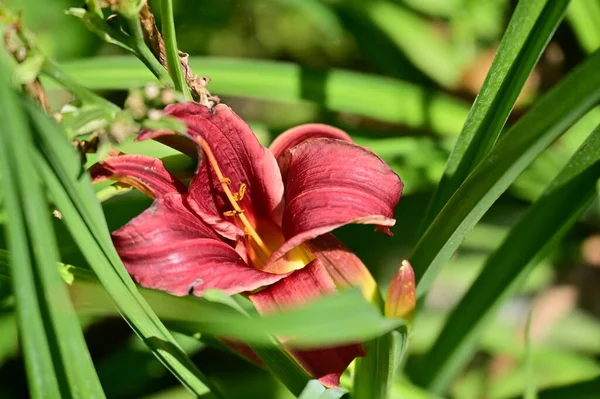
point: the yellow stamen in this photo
(232, 213)
(225, 181)
(240, 194)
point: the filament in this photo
(233, 198)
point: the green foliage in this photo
(57, 361)
(561, 205)
(527, 34)
(498, 207)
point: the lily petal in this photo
(343, 266)
(241, 159)
(145, 173)
(168, 248)
(302, 286)
(240, 155)
(330, 183)
(298, 134)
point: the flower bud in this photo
(401, 298)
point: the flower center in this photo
(273, 237)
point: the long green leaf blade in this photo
(314, 390)
(529, 30)
(41, 373)
(584, 17)
(582, 390)
(416, 37)
(310, 325)
(377, 97)
(56, 356)
(537, 231)
(562, 106)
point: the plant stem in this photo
(168, 32)
(141, 49)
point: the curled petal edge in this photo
(142, 172)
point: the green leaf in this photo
(533, 181)
(404, 389)
(352, 316)
(367, 95)
(74, 196)
(529, 30)
(559, 368)
(56, 357)
(563, 202)
(581, 390)
(584, 18)
(314, 390)
(416, 37)
(562, 106)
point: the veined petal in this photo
(204, 202)
(250, 168)
(238, 152)
(298, 134)
(343, 266)
(169, 248)
(145, 173)
(330, 183)
(301, 287)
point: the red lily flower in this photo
(255, 218)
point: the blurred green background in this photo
(437, 52)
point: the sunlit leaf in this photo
(56, 357)
(378, 97)
(563, 202)
(527, 34)
(562, 106)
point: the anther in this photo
(231, 197)
(240, 194)
(233, 212)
